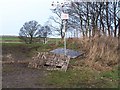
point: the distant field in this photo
(9, 38)
(17, 39)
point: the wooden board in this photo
(50, 61)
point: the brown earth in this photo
(20, 76)
(17, 75)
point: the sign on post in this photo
(64, 16)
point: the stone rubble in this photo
(49, 61)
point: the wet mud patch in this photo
(20, 76)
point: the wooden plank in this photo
(50, 61)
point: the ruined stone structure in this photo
(49, 61)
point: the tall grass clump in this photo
(101, 52)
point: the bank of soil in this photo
(20, 76)
(16, 75)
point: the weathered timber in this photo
(49, 61)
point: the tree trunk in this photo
(81, 23)
(119, 28)
(115, 30)
(87, 19)
(31, 39)
(107, 17)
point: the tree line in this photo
(89, 18)
(85, 18)
(32, 30)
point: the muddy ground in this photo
(20, 76)
(16, 75)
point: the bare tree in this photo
(43, 32)
(93, 17)
(29, 31)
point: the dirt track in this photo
(20, 76)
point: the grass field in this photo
(83, 78)
(12, 38)
(78, 75)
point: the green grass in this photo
(55, 40)
(71, 78)
(84, 78)
(9, 38)
(16, 38)
(111, 74)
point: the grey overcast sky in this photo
(14, 13)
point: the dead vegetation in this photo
(101, 52)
